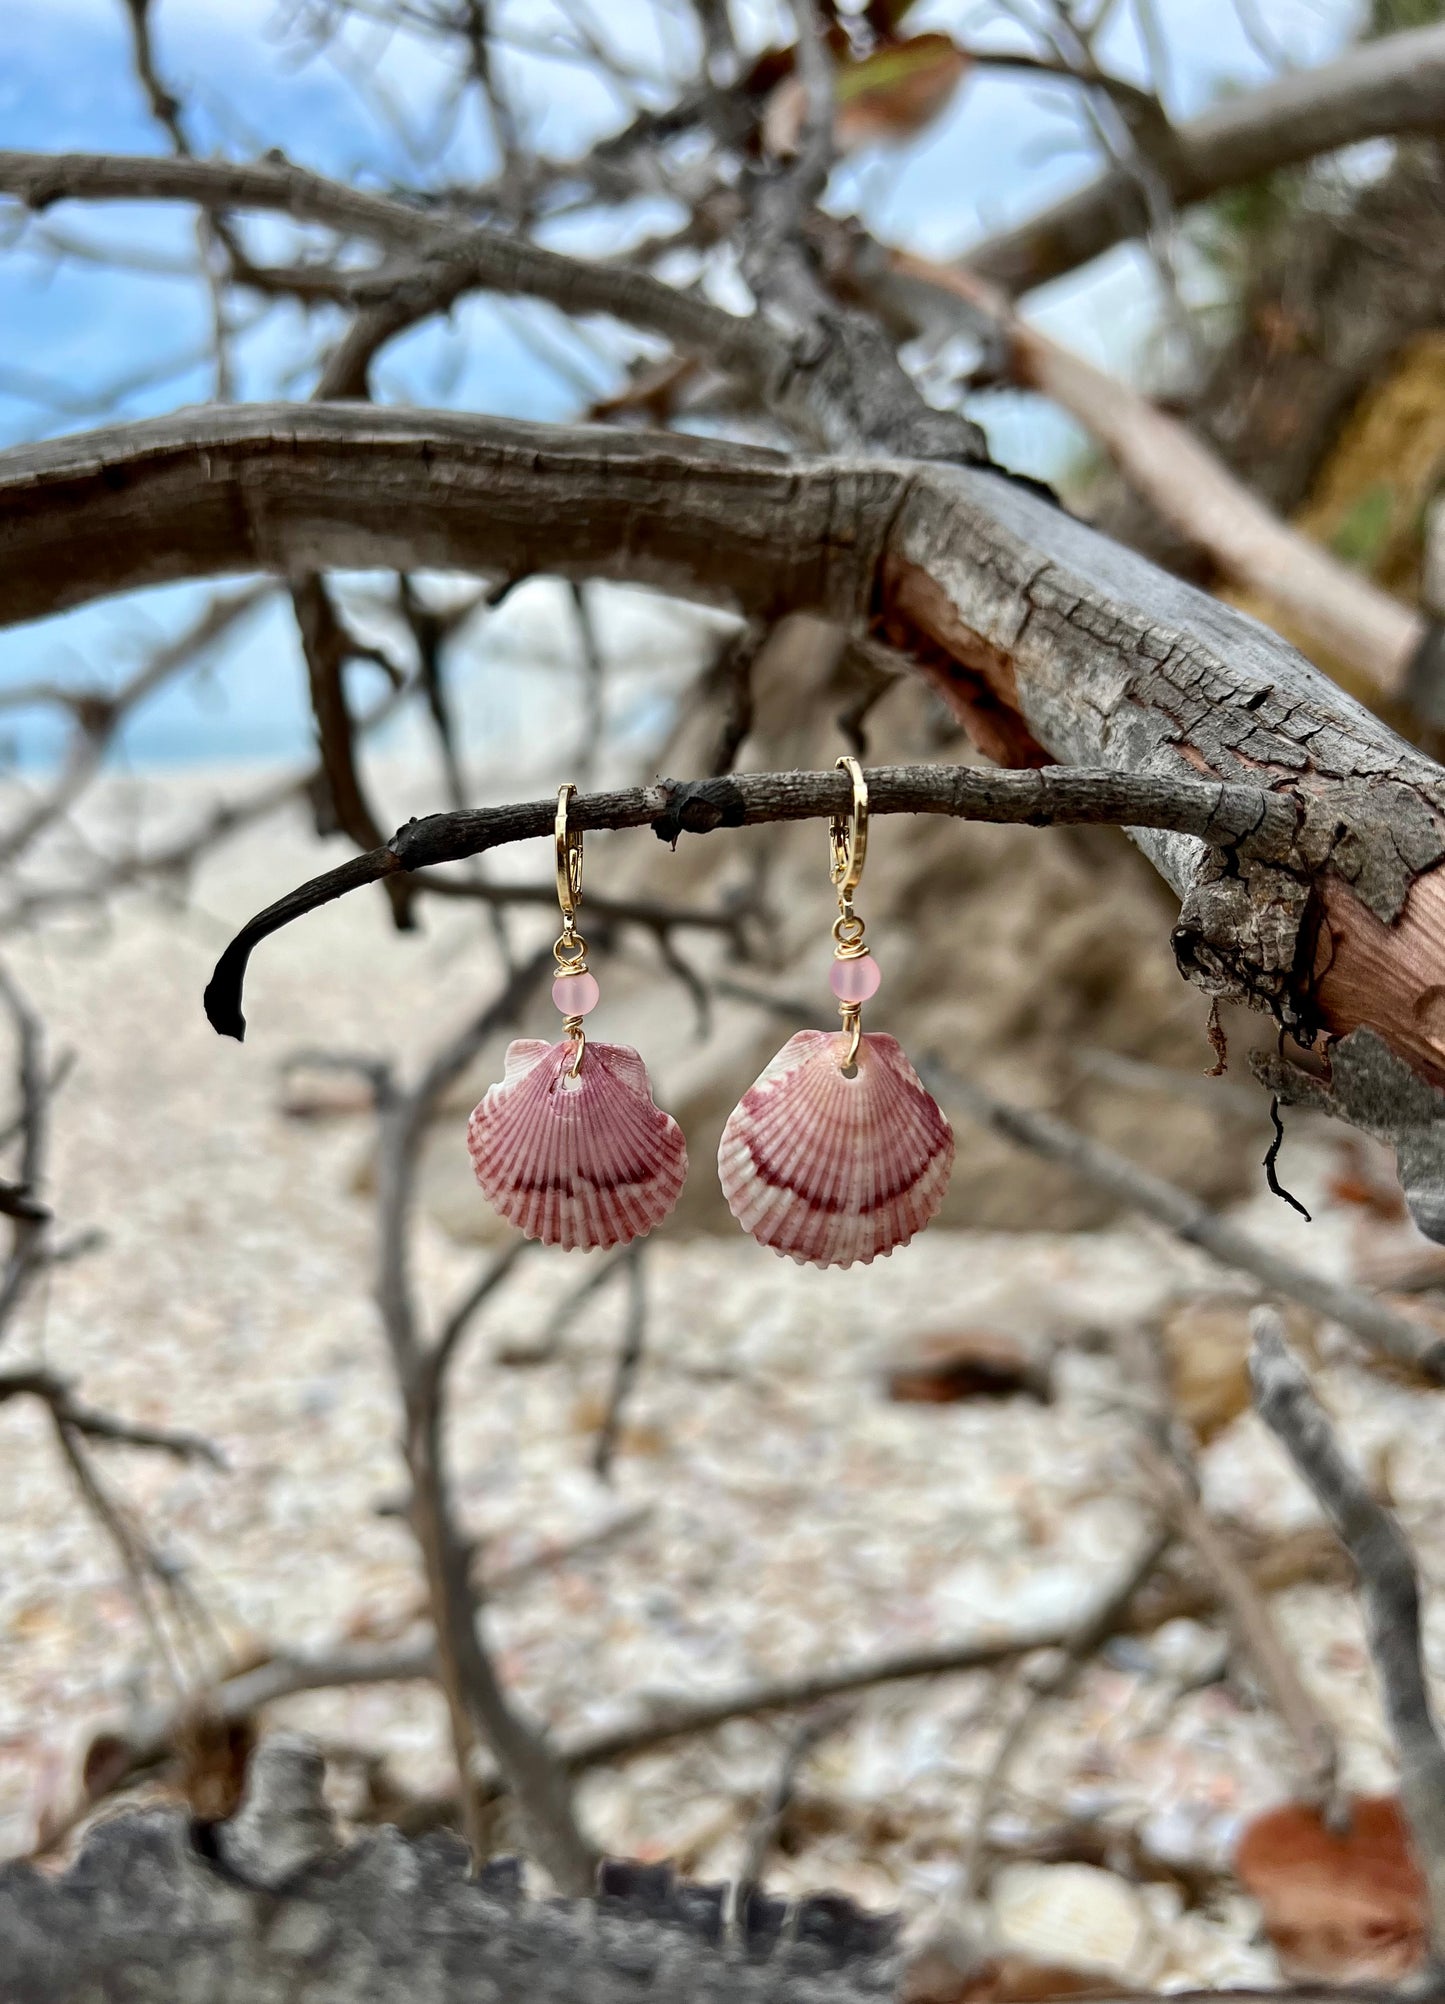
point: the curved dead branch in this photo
(1227, 815)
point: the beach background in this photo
(774, 1506)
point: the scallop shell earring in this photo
(569, 1145)
(838, 1154)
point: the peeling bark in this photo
(1110, 662)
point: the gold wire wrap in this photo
(569, 950)
(848, 851)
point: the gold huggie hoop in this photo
(570, 949)
(569, 858)
(848, 849)
(848, 834)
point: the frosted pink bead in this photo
(576, 994)
(855, 980)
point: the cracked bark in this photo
(1049, 641)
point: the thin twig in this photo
(57, 1393)
(547, 1346)
(1249, 1615)
(1389, 1588)
(28, 1234)
(1215, 811)
(1165, 1449)
(461, 1317)
(629, 1359)
(1378, 1326)
(1052, 1682)
(763, 1834)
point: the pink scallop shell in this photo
(590, 1161)
(830, 1169)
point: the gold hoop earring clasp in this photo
(570, 949)
(848, 834)
(569, 858)
(857, 977)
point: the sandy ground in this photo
(786, 1515)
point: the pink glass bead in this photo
(576, 994)
(855, 980)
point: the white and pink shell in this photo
(833, 1170)
(590, 1161)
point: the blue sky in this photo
(73, 330)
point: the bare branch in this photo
(455, 255)
(1379, 1327)
(1229, 815)
(1045, 638)
(1389, 1588)
(763, 1834)
(460, 1319)
(795, 1693)
(629, 1360)
(28, 1231)
(58, 1394)
(1054, 1681)
(1248, 1613)
(1173, 468)
(477, 1701)
(328, 647)
(98, 714)
(414, 1659)
(1385, 88)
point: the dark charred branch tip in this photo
(222, 999)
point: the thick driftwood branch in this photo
(1171, 466)
(1226, 815)
(286, 487)
(1390, 87)
(1048, 640)
(269, 1909)
(1389, 1588)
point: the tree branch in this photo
(1382, 89)
(1168, 463)
(57, 1393)
(455, 255)
(478, 1702)
(1381, 1328)
(1227, 815)
(1046, 639)
(1389, 1588)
